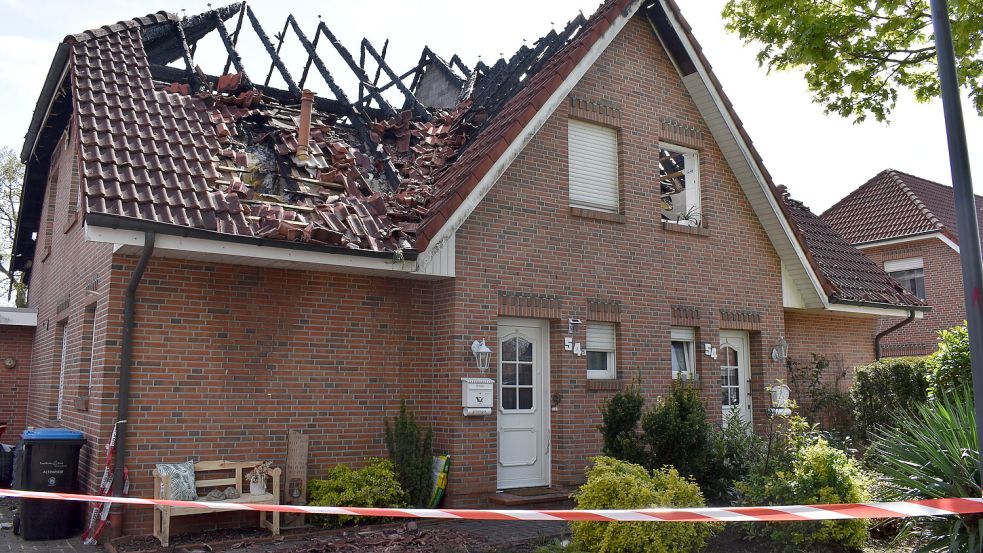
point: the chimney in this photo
(304, 132)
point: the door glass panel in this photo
(729, 379)
(516, 374)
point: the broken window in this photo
(679, 183)
(909, 273)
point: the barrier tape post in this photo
(895, 509)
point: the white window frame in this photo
(894, 266)
(687, 335)
(692, 195)
(591, 184)
(62, 370)
(606, 343)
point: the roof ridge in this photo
(932, 218)
(123, 25)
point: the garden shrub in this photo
(950, 366)
(411, 451)
(809, 472)
(675, 432)
(621, 414)
(932, 452)
(732, 452)
(614, 484)
(817, 388)
(883, 388)
(376, 485)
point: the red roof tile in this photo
(894, 204)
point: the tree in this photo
(858, 54)
(11, 178)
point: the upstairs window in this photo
(679, 185)
(601, 346)
(593, 162)
(910, 273)
(683, 353)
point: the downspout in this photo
(877, 339)
(126, 359)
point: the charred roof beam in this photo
(277, 62)
(235, 36)
(347, 56)
(418, 109)
(279, 44)
(193, 81)
(456, 60)
(234, 56)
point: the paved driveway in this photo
(10, 543)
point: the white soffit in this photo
(13, 316)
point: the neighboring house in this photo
(596, 194)
(16, 339)
(908, 225)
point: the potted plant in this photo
(257, 478)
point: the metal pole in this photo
(969, 233)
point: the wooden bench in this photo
(163, 513)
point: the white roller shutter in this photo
(909, 264)
(600, 336)
(593, 161)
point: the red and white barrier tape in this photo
(896, 509)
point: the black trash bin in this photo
(46, 460)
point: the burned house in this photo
(217, 261)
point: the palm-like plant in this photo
(931, 452)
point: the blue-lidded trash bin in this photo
(46, 460)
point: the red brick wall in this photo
(15, 342)
(523, 238)
(943, 292)
(846, 341)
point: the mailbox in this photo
(477, 396)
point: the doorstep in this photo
(553, 497)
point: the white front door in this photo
(523, 406)
(735, 361)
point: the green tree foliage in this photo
(614, 484)
(931, 452)
(376, 485)
(950, 366)
(11, 179)
(621, 413)
(411, 450)
(883, 388)
(676, 432)
(858, 54)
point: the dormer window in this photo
(679, 185)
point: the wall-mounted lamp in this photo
(780, 351)
(482, 354)
(573, 325)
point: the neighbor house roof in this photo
(848, 275)
(894, 204)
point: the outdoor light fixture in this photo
(573, 325)
(780, 351)
(482, 355)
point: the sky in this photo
(819, 157)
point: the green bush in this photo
(732, 453)
(376, 485)
(411, 451)
(883, 388)
(928, 453)
(675, 432)
(614, 484)
(808, 472)
(621, 414)
(950, 366)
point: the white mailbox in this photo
(477, 396)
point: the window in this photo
(63, 329)
(601, 340)
(593, 162)
(909, 273)
(683, 352)
(679, 183)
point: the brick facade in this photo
(15, 342)
(845, 341)
(228, 358)
(943, 291)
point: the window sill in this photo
(597, 215)
(597, 384)
(685, 229)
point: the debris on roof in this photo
(221, 153)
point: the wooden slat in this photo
(215, 482)
(204, 466)
(264, 499)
